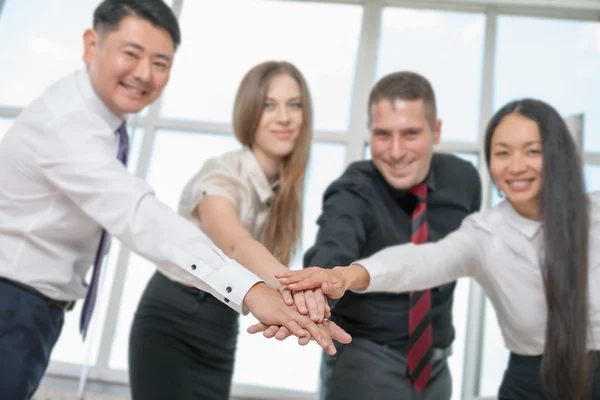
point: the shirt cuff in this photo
(377, 272)
(230, 283)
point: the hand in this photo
(281, 333)
(333, 282)
(313, 303)
(268, 307)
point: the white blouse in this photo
(501, 250)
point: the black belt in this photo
(63, 305)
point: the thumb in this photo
(330, 291)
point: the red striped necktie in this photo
(419, 327)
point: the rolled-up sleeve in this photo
(84, 168)
(215, 178)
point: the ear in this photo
(437, 131)
(90, 45)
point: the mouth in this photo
(519, 185)
(134, 91)
(399, 167)
(283, 133)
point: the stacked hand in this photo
(283, 314)
(333, 282)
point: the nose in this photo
(283, 115)
(517, 164)
(143, 70)
(397, 148)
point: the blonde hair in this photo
(283, 227)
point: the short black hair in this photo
(109, 14)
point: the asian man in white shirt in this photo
(64, 188)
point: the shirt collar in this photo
(266, 192)
(90, 96)
(526, 226)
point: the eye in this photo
(296, 105)
(381, 134)
(535, 151)
(131, 54)
(501, 153)
(161, 65)
(268, 106)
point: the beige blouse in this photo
(236, 176)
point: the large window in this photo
(445, 47)
(221, 45)
(43, 42)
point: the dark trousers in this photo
(522, 379)
(182, 344)
(367, 370)
(29, 328)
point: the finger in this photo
(337, 333)
(311, 305)
(300, 301)
(289, 273)
(282, 333)
(298, 277)
(303, 341)
(327, 310)
(333, 290)
(320, 334)
(294, 326)
(271, 331)
(311, 282)
(287, 296)
(321, 303)
(256, 328)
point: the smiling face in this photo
(130, 66)
(402, 141)
(516, 163)
(281, 119)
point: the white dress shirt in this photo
(501, 250)
(61, 182)
(237, 177)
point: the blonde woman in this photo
(249, 203)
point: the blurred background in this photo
(478, 54)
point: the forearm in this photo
(256, 258)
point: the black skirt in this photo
(182, 344)
(522, 379)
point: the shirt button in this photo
(193, 266)
(228, 289)
(226, 300)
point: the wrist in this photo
(357, 277)
(344, 276)
(253, 294)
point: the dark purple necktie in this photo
(90, 297)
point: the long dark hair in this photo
(564, 210)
